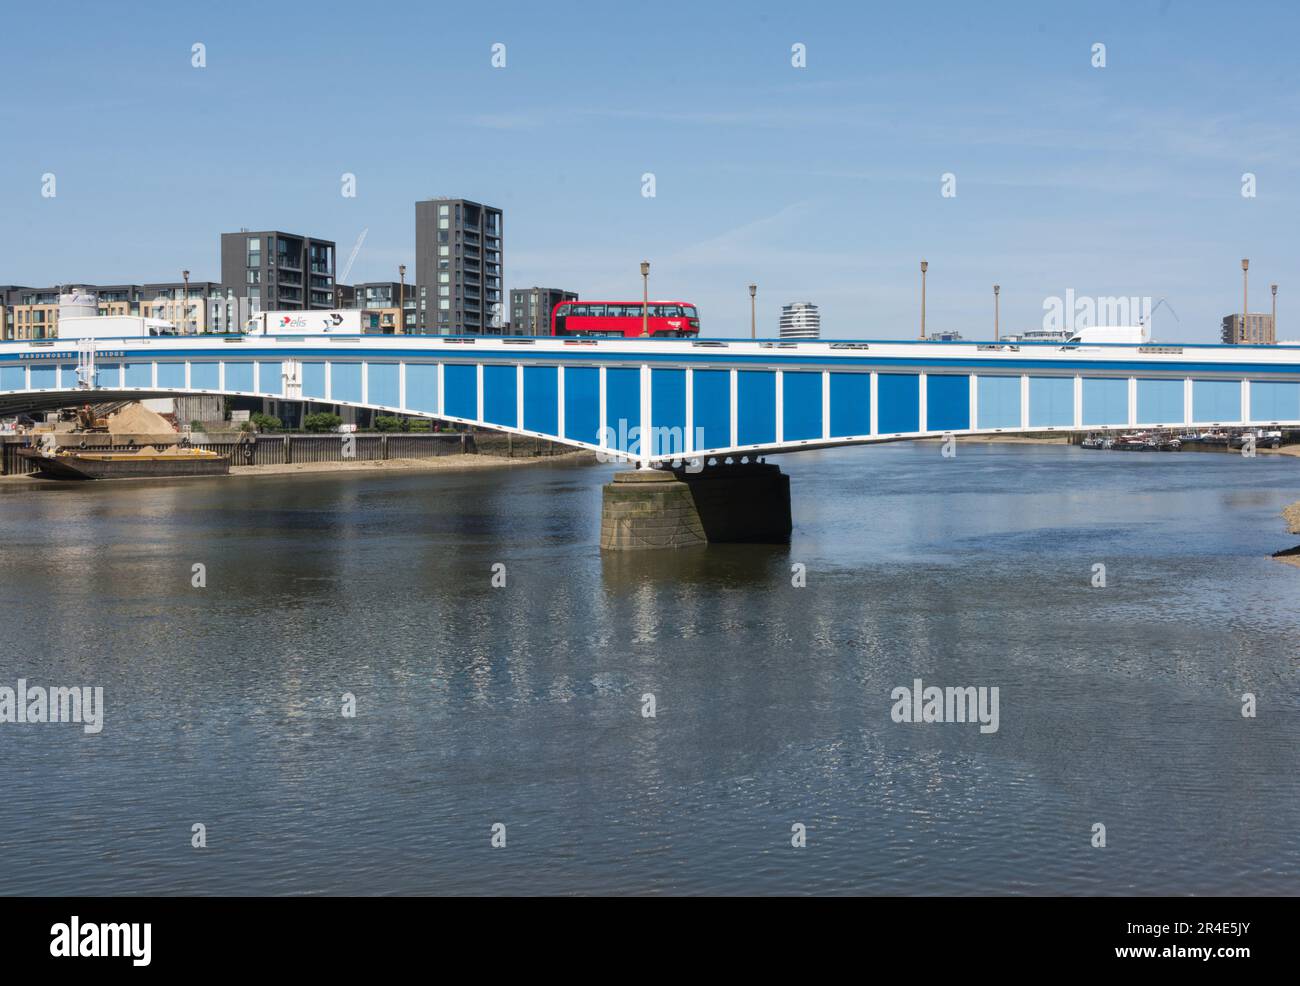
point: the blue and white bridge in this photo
(658, 401)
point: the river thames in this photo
(522, 704)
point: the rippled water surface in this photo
(523, 704)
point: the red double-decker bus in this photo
(622, 319)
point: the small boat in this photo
(146, 462)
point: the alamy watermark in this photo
(37, 704)
(625, 444)
(920, 704)
(1084, 311)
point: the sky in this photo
(821, 183)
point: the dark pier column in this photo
(658, 508)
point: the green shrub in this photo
(419, 425)
(388, 423)
(321, 421)
(265, 422)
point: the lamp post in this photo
(1245, 297)
(1273, 288)
(401, 299)
(996, 311)
(185, 302)
(753, 322)
(924, 267)
(645, 299)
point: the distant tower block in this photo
(800, 320)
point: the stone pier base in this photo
(658, 508)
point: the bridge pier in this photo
(654, 508)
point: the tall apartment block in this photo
(458, 267)
(278, 271)
(1257, 330)
(530, 309)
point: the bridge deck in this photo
(691, 396)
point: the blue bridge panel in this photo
(13, 377)
(947, 402)
(422, 387)
(622, 406)
(382, 384)
(898, 407)
(45, 377)
(461, 383)
(345, 381)
(110, 374)
(756, 407)
(1271, 401)
(1216, 400)
(269, 377)
(313, 379)
(1051, 402)
(801, 407)
(239, 376)
(542, 399)
(501, 395)
(582, 404)
(1160, 402)
(712, 399)
(668, 411)
(139, 374)
(171, 375)
(1105, 401)
(850, 404)
(998, 401)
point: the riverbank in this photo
(442, 463)
(1291, 556)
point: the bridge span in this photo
(687, 402)
(657, 400)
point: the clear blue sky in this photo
(819, 184)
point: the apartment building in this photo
(530, 309)
(458, 264)
(279, 271)
(384, 298)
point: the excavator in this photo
(94, 418)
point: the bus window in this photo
(596, 311)
(691, 311)
(577, 310)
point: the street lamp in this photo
(645, 299)
(401, 299)
(1273, 287)
(753, 331)
(924, 267)
(1245, 297)
(185, 301)
(996, 312)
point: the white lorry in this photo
(113, 327)
(340, 320)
